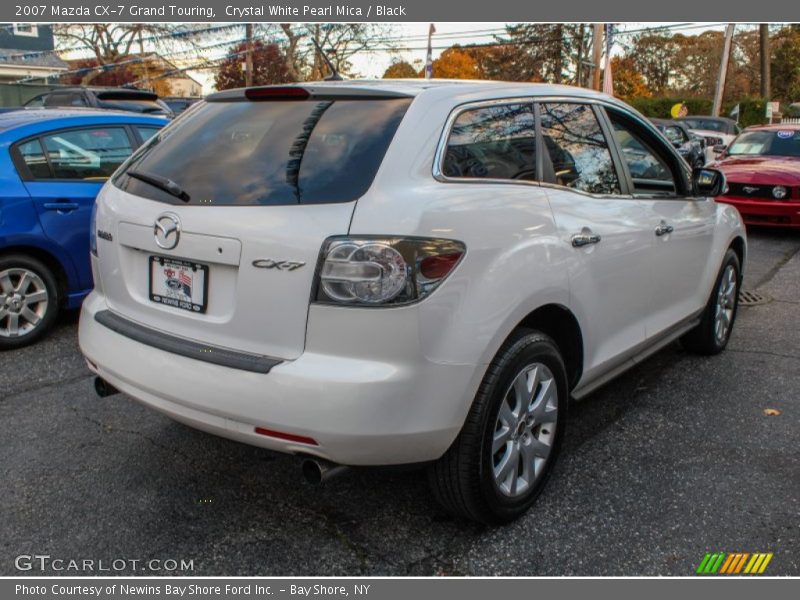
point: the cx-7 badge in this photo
(281, 265)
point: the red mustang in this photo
(762, 168)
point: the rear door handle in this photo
(664, 229)
(585, 238)
(62, 206)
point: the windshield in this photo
(269, 153)
(766, 143)
(709, 125)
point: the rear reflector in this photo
(289, 437)
(439, 265)
(276, 93)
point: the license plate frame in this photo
(174, 290)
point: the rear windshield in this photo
(141, 106)
(268, 153)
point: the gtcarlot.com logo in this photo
(734, 563)
(44, 562)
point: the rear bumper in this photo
(773, 213)
(374, 401)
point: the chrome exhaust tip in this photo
(317, 471)
(103, 388)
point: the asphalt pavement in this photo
(674, 459)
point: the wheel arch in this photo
(49, 259)
(558, 322)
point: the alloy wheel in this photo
(726, 304)
(23, 302)
(525, 430)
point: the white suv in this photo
(389, 272)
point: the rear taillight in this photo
(383, 271)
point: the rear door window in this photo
(493, 142)
(93, 153)
(269, 152)
(577, 155)
(33, 155)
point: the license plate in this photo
(179, 283)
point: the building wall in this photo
(185, 86)
(42, 41)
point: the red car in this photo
(762, 168)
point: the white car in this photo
(715, 141)
(392, 272)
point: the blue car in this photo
(52, 165)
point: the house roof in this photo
(29, 58)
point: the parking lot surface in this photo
(674, 459)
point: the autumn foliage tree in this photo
(141, 72)
(269, 66)
(400, 70)
(456, 63)
(628, 82)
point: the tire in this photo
(29, 300)
(463, 481)
(712, 334)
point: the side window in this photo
(674, 134)
(146, 132)
(87, 153)
(577, 152)
(494, 142)
(34, 158)
(646, 156)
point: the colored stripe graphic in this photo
(722, 563)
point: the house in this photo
(145, 71)
(26, 50)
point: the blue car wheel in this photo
(29, 300)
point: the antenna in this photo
(334, 76)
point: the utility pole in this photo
(597, 54)
(723, 70)
(248, 57)
(764, 50)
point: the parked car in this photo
(178, 104)
(762, 167)
(132, 100)
(372, 273)
(722, 125)
(689, 146)
(52, 164)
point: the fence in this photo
(17, 94)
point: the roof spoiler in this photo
(304, 92)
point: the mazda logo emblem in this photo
(167, 231)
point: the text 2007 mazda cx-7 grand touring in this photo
(375, 273)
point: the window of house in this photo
(26, 29)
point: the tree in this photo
(786, 64)
(628, 82)
(269, 66)
(112, 43)
(140, 71)
(655, 57)
(339, 41)
(400, 69)
(455, 63)
(543, 52)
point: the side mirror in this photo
(720, 148)
(708, 183)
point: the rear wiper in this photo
(162, 183)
